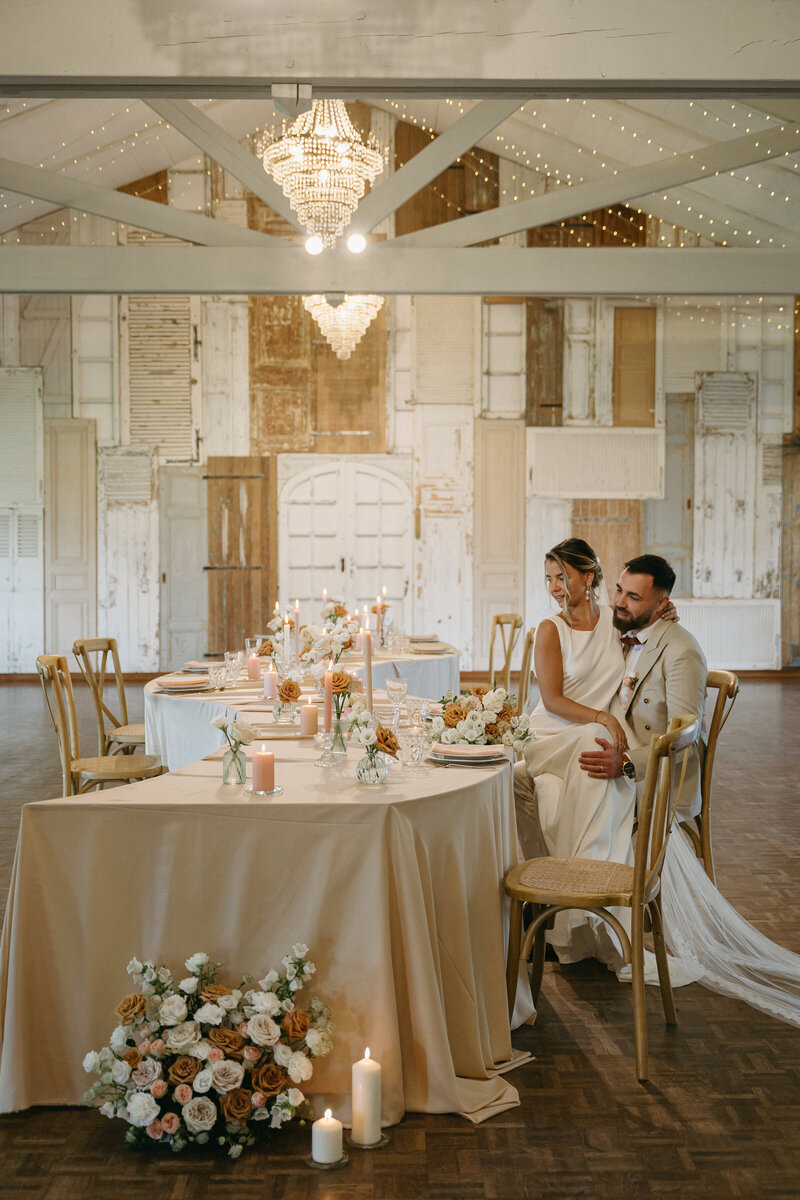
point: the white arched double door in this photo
(345, 524)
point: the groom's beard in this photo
(625, 623)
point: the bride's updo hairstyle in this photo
(578, 554)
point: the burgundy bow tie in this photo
(630, 639)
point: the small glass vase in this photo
(284, 714)
(234, 767)
(339, 728)
(372, 768)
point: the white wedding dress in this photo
(710, 942)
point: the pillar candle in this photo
(263, 770)
(270, 683)
(253, 667)
(326, 1139)
(366, 1101)
(309, 718)
(360, 641)
(327, 719)
(368, 668)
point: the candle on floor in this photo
(327, 716)
(263, 770)
(270, 682)
(309, 719)
(326, 1139)
(253, 667)
(366, 1101)
(368, 668)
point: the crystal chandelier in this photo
(344, 322)
(323, 167)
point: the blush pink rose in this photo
(144, 1047)
(155, 1130)
(215, 1054)
(157, 1047)
(158, 1089)
(171, 1122)
(182, 1093)
(258, 1099)
(242, 1028)
(252, 1052)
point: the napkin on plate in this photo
(181, 681)
(459, 751)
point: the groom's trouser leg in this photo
(529, 830)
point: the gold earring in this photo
(588, 593)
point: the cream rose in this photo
(199, 1114)
(262, 1030)
(299, 1068)
(227, 1075)
(173, 1011)
(182, 1036)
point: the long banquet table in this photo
(397, 890)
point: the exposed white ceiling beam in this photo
(626, 185)
(225, 150)
(430, 162)
(82, 196)
(490, 271)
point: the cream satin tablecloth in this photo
(397, 891)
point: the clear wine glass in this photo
(396, 690)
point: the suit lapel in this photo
(653, 648)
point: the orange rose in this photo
(236, 1105)
(130, 1007)
(479, 690)
(506, 713)
(229, 1040)
(289, 691)
(341, 682)
(296, 1024)
(183, 1070)
(265, 648)
(212, 991)
(386, 742)
(339, 610)
(269, 1078)
(453, 713)
(491, 729)
(132, 1057)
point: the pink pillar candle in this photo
(309, 719)
(253, 667)
(263, 770)
(270, 683)
(368, 668)
(327, 717)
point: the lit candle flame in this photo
(366, 1052)
(328, 1114)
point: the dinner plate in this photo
(448, 760)
(431, 648)
(200, 668)
(424, 637)
(189, 689)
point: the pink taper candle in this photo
(368, 668)
(327, 719)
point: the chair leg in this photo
(537, 962)
(512, 961)
(639, 999)
(662, 962)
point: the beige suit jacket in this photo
(670, 682)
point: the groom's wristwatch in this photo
(628, 769)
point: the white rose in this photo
(173, 1010)
(119, 1039)
(182, 1036)
(142, 1109)
(227, 1075)
(437, 724)
(108, 1109)
(229, 1001)
(199, 1050)
(121, 1071)
(210, 1014)
(315, 1040)
(299, 1067)
(296, 1097)
(189, 985)
(262, 1030)
(199, 1114)
(242, 732)
(164, 974)
(91, 1062)
(219, 723)
(203, 1080)
(282, 1054)
(266, 1002)
(199, 960)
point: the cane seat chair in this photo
(114, 734)
(81, 774)
(508, 627)
(525, 671)
(551, 885)
(726, 685)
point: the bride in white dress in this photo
(580, 666)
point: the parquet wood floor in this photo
(719, 1118)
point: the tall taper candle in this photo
(297, 629)
(327, 718)
(368, 668)
(366, 1101)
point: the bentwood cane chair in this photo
(525, 671)
(81, 774)
(551, 885)
(699, 830)
(114, 734)
(508, 626)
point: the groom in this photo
(665, 677)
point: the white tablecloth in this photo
(397, 890)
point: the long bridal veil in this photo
(722, 950)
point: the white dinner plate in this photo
(189, 689)
(455, 760)
(431, 648)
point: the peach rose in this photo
(132, 1057)
(216, 1055)
(454, 713)
(130, 1007)
(479, 689)
(289, 691)
(386, 742)
(269, 1079)
(258, 1099)
(252, 1053)
(236, 1105)
(182, 1093)
(265, 648)
(171, 1122)
(296, 1024)
(341, 682)
(183, 1069)
(158, 1089)
(157, 1046)
(227, 1040)
(155, 1130)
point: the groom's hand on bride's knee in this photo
(601, 764)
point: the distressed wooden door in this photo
(668, 522)
(70, 549)
(183, 511)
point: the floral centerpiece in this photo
(376, 740)
(481, 716)
(329, 642)
(333, 610)
(238, 734)
(196, 1061)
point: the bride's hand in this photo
(670, 613)
(615, 731)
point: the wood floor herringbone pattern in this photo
(719, 1118)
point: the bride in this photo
(572, 812)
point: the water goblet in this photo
(217, 677)
(396, 690)
(416, 709)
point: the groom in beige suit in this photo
(665, 677)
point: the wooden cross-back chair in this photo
(81, 774)
(552, 885)
(508, 626)
(114, 734)
(525, 671)
(699, 831)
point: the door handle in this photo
(341, 560)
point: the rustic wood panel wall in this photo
(242, 548)
(469, 185)
(544, 361)
(634, 386)
(790, 525)
(613, 528)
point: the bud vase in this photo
(339, 744)
(234, 766)
(372, 768)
